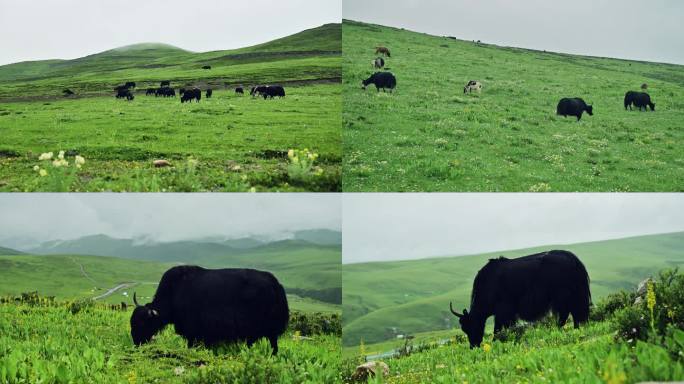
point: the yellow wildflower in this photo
(42, 172)
(486, 347)
(45, 156)
(36, 168)
(79, 161)
(61, 155)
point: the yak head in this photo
(473, 328)
(590, 110)
(145, 322)
(652, 105)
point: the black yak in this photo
(272, 91)
(190, 94)
(67, 92)
(206, 67)
(124, 93)
(381, 80)
(239, 90)
(165, 92)
(213, 306)
(526, 288)
(640, 99)
(130, 84)
(150, 91)
(209, 92)
(258, 90)
(573, 107)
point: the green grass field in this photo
(429, 136)
(542, 354)
(52, 344)
(413, 296)
(234, 143)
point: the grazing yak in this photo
(272, 91)
(164, 83)
(213, 306)
(639, 99)
(209, 92)
(258, 90)
(190, 94)
(382, 50)
(240, 90)
(378, 63)
(67, 92)
(382, 80)
(124, 93)
(130, 84)
(206, 67)
(472, 85)
(526, 288)
(150, 91)
(165, 92)
(573, 107)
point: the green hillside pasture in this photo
(429, 136)
(543, 354)
(239, 142)
(413, 296)
(73, 277)
(50, 344)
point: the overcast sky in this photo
(382, 227)
(67, 29)
(162, 217)
(633, 29)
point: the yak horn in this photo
(135, 300)
(454, 312)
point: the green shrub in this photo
(308, 324)
(610, 304)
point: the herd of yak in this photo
(566, 107)
(188, 95)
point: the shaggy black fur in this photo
(382, 80)
(212, 306)
(527, 288)
(573, 107)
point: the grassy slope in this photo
(429, 136)
(239, 142)
(61, 276)
(95, 346)
(414, 295)
(543, 354)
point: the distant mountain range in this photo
(186, 251)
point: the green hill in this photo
(413, 296)
(314, 55)
(9, 251)
(79, 276)
(430, 136)
(227, 143)
(311, 269)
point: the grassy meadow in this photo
(383, 299)
(70, 333)
(55, 344)
(430, 136)
(226, 143)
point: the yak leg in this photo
(274, 344)
(503, 318)
(563, 318)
